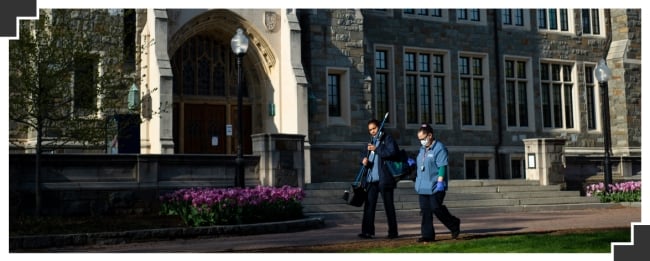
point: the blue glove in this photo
(411, 162)
(440, 186)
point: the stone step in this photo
(335, 195)
(542, 194)
(332, 188)
(354, 214)
(464, 196)
(452, 183)
(404, 205)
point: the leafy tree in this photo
(67, 78)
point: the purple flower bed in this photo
(629, 191)
(226, 206)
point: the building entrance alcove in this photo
(205, 97)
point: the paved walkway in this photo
(409, 228)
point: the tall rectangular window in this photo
(426, 87)
(542, 19)
(411, 99)
(475, 15)
(423, 62)
(439, 91)
(471, 91)
(591, 97)
(564, 20)
(557, 95)
(380, 60)
(553, 19)
(425, 98)
(382, 83)
(85, 84)
(382, 94)
(506, 16)
(516, 92)
(337, 84)
(334, 94)
(469, 14)
(409, 62)
(519, 17)
(568, 96)
(590, 21)
(462, 14)
(512, 17)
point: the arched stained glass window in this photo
(201, 67)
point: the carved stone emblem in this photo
(271, 20)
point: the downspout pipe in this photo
(497, 57)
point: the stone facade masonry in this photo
(347, 38)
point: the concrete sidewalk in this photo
(341, 231)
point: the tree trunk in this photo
(37, 173)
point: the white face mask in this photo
(424, 142)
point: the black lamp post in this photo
(239, 45)
(603, 74)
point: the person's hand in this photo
(364, 161)
(440, 186)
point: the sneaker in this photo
(424, 240)
(365, 236)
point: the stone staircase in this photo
(464, 196)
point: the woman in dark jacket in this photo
(379, 180)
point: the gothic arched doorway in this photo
(205, 97)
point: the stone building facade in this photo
(486, 79)
(370, 51)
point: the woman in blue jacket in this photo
(431, 184)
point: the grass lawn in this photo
(587, 242)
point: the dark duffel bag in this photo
(355, 195)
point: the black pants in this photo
(432, 205)
(369, 207)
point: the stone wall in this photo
(84, 184)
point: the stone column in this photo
(282, 160)
(156, 84)
(545, 160)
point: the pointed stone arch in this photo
(220, 26)
(225, 23)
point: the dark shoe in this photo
(391, 236)
(455, 233)
(365, 236)
(423, 240)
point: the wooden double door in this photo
(205, 129)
